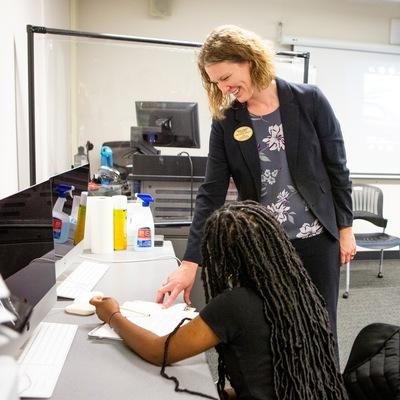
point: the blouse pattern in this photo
(278, 192)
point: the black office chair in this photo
(368, 205)
(373, 368)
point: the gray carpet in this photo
(371, 300)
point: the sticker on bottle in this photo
(144, 237)
(57, 225)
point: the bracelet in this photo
(111, 316)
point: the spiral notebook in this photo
(148, 315)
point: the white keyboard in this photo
(41, 362)
(81, 280)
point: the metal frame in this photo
(31, 30)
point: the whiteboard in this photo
(363, 88)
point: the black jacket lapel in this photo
(290, 115)
(248, 147)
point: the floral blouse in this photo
(278, 192)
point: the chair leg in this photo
(346, 293)
(380, 273)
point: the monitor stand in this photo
(14, 347)
(139, 143)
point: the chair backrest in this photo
(373, 369)
(368, 204)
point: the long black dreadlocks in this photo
(243, 245)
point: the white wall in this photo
(15, 15)
(189, 20)
(192, 19)
(355, 21)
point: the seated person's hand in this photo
(105, 307)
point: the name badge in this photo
(243, 133)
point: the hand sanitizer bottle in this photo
(120, 206)
(80, 225)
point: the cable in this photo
(88, 257)
(191, 180)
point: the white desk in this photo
(108, 370)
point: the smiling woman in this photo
(263, 131)
(231, 78)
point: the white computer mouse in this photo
(80, 309)
(81, 305)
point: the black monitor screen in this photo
(26, 242)
(178, 123)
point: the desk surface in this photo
(107, 369)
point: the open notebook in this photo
(148, 315)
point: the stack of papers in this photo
(148, 315)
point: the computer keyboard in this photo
(81, 280)
(41, 362)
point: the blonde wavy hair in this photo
(231, 43)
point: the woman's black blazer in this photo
(315, 153)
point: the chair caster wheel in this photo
(345, 295)
(380, 275)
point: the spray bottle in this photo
(61, 221)
(141, 223)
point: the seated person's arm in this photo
(190, 339)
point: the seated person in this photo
(263, 314)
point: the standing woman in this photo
(282, 145)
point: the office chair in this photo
(373, 368)
(368, 205)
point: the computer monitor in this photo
(166, 124)
(27, 261)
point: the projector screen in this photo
(364, 91)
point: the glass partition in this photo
(86, 86)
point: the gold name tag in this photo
(243, 133)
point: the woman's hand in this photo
(348, 248)
(105, 307)
(181, 279)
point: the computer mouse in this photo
(80, 309)
(81, 305)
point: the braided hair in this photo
(243, 245)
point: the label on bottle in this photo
(144, 237)
(57, 225)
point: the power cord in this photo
(88, 257)
(182, 153)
